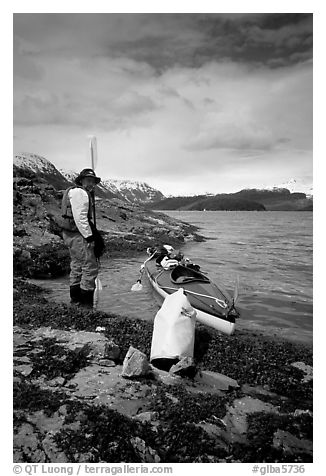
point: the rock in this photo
(236, 418)
(63, 410)
(54, 454)
(145, 453)
(45, 423)
(112, 351)
(216, 432)
(290, 444)
(299, 412)
(172, 398)
(22, 360)
(146, 416)
(165, 377)
(92, 343)
(185, 368)
(56, 382)
(25, 255)
(50, 237)
(306, 369)
(104, 386)
(216, 380)
(212, 430)
(86, 458)
(106, 363)
(257, 391)
(27, 444)
(135, 364)
(25, 370)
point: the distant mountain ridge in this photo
(28, 165)
(248, 199)
(277, 198)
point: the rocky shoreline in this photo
(38, 248)
(250, 400)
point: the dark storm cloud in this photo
(274, 39)
(164, 40)
(259, 38)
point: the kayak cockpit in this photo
(182, 274)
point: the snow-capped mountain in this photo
(129, 190)
(29, 165)
(34, 162)
(132, 191)
(295, 186)
(70, 175)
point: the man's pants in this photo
(83, 265)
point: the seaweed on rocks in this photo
(62, 316)
(257, 361)
(37, 313)
(178, 433)
(260, 435)
(30, 308)
(187, 443)
(126, 332)
(30, 397)
(23, 290)
(54, 360)
(45, 261)
(103, 435)
(176, 404)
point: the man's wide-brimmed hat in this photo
(86, 173)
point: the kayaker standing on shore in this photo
(81, 236)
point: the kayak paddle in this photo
(138, 285)
(98, 289)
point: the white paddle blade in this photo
(93, 150)
(137, 286)
(98, 284)
(98, 289)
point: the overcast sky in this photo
(189, 103)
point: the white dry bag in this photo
(174, 328)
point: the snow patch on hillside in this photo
(294, 186)
(34, 162)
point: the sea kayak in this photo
(214, 307)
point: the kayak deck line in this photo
(218, 301)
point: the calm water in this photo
(270, 252)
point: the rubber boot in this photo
(86, 298)
(75, 294)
